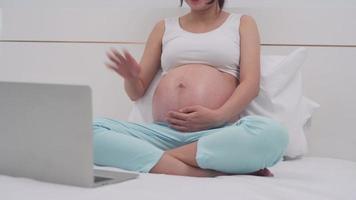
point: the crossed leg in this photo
(181, 161)
(271, 138)
(171, 165)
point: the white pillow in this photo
(281, 98)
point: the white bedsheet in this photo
(308, 178)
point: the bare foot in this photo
(262, 172)
(217, 173)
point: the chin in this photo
(197, 9)
(200, 5)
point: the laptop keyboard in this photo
(100, 179)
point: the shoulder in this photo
(248, 24)
(156, 35)
(247, 19)
(159, 26)
(157, 31)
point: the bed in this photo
(313, 178)
(327, 171)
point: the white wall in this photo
(164, 3)
(0, 22)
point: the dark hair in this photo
(221, 3)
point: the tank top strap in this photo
(171, 29)
(171, 24)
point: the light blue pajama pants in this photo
(250, 144)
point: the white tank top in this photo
(219, 48)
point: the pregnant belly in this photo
(191, 84)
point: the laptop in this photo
(46, 134)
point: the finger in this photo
(179, 128)
(131, 60)
(113, 58)
(120, 65)
(176, 121)
(188, 109)
(128, 56)
(135, 69)
(113, 67)
(177, 115)
(119, 56)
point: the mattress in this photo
(307, 178)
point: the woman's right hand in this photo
(124, 65)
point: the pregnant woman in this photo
(211, 72)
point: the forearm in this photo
(240, 98)
(134, 89)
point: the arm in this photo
(138, 77)
(150, 62)
(249, 85)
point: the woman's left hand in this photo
(194, 118)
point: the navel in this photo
(181, 85)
